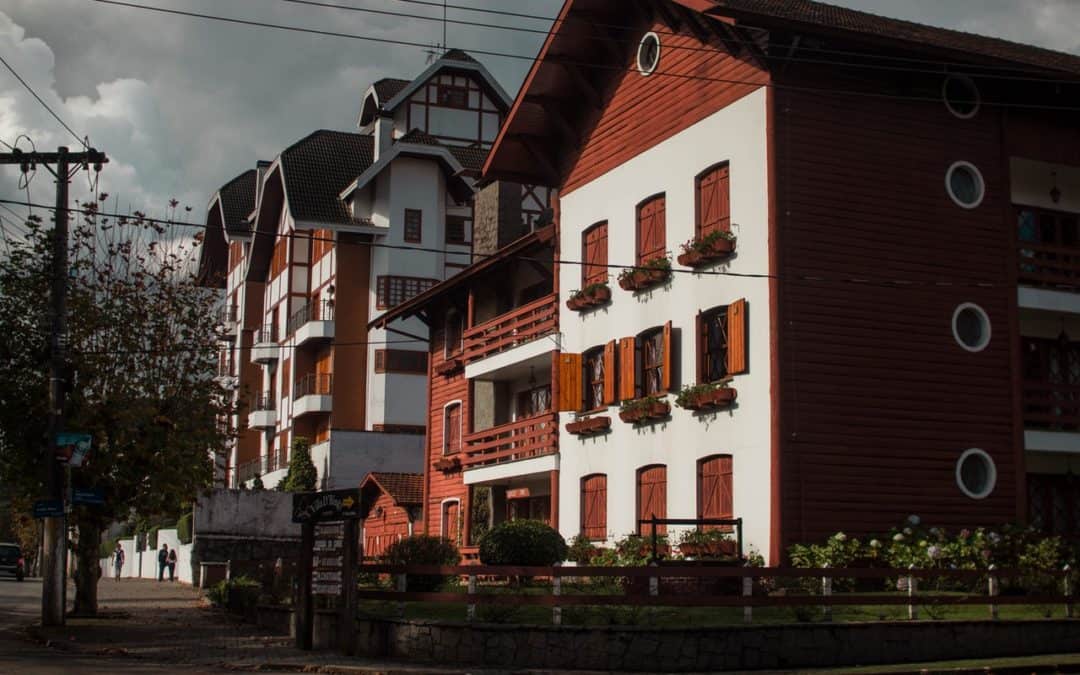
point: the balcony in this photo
(1049, 266)
(1051, 407)
(311, 394)
(263, 414)
(516, 327)
(227, 320)
(524, 439)
(313, 321)
(265, 348)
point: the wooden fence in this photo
(648, 581)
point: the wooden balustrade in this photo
(530, 437)
(518, 326)
(1054, 406)
(1048, 265)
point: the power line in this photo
(581, 64)
(218, 349)
(44, 104)
(860, 281)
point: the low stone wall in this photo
(731, 648)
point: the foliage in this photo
(141, 345)
(711, 544)
(635, 550)
(481, 513)
(661, 263)
(257, 483)
(301, 476)
(239, 594)
(643, 403)
(588, 291)
(423, 549)
(689, 392)
(705, 244)
(581, 550)
(522, 542)
(184, 528)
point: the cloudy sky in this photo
(183, 104)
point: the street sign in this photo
(48, 508)
(328, 561)
(73, 448)
(88, 496)
(314, 507)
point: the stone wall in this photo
(731, 648)
(497, 217)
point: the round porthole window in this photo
(965, 185)
(976, 474)
(648, 53)
(961, 96)
(971, 327)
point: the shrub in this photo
(581, 550)
(422, 549)
(522, 542)
(239, 594)
(183, 528)
(301, 476)
(257, 484)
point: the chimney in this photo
(497, 217)
(260, 172)
(384, 134)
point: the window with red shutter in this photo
(651, 229)
(594, 254)
(452, 429)
(595, 378)
(594, 507)
(652, 497)
(713, 201)
(451, 518)
(715, 482)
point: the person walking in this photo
(162, 561)
(118, 560)
(172, 564)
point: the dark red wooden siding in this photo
(442, 390)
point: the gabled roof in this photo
(416, 143)
(318, 167)
(458, 55)
(471, 157)
(226, 213)
(237, 201)
(388, 87)
(406, 489)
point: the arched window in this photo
(450, 528)
(712, 201)
(652, 497)
(452, 428)
(594, 507)
(651, 229)
(714, 487)
(594, 253)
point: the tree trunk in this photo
(88, 567)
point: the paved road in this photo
(20, 604)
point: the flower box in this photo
(711, 400)
(448, 464)
(589, 426)
(449, 367)
(701, 253)
(644, 278)
(590, 297)
(644, 411)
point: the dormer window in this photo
(453, 97)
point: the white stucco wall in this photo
(736, 134)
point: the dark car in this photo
(11, 561)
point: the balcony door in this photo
(1051, 383)
(533, 402)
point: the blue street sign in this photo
(48, 508)
(88, 496)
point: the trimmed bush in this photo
(522, 542)
(183, 528)
(422, 549)
(238, 595)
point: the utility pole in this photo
(54, 565)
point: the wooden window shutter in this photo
(725, 483)
(594, 506)
(569, 382)
(627, 368)
(666, 379)
(659, 243)
(715, 487)
(701, 343)
(609, 374)
(652, 496)
(737, 327)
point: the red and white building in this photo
(899, 314)
(337, 229)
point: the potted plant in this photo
(588, 426)
(707, 544)
(714, 246)
(593, 295)
(449, 366)
(643, 410)
(651, 273)
(448, 464)
(710, 396)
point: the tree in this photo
(142, 348)
(256, 483)
(301, 476)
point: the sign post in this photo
(327, 560)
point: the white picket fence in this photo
(144, 565)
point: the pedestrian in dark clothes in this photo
(172, 564)
(162, 561)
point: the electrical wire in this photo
(217, 350)
(581, 64)
(44, 104)
(861, 281)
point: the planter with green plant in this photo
(714, 246)
(448, 464)
(706, 396)
(591, 296)
(589, 426)
(644, 410)
(647, 275)
(707, 545)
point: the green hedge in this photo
(183, 528)
(522, 542)
(422, 549)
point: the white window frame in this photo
(991, 482)
(987, 327)
(948, 104)
(978, 177)
(637, 60)
(442, 513)
(461, 424)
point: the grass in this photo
(1063, 662)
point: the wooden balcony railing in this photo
(1051, 406)
(317, 384)
(518, 326)
(530, 437)
(1049, 265)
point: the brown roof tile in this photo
(388, 87)
(403, 488)
(318, 167)
(238, 200)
